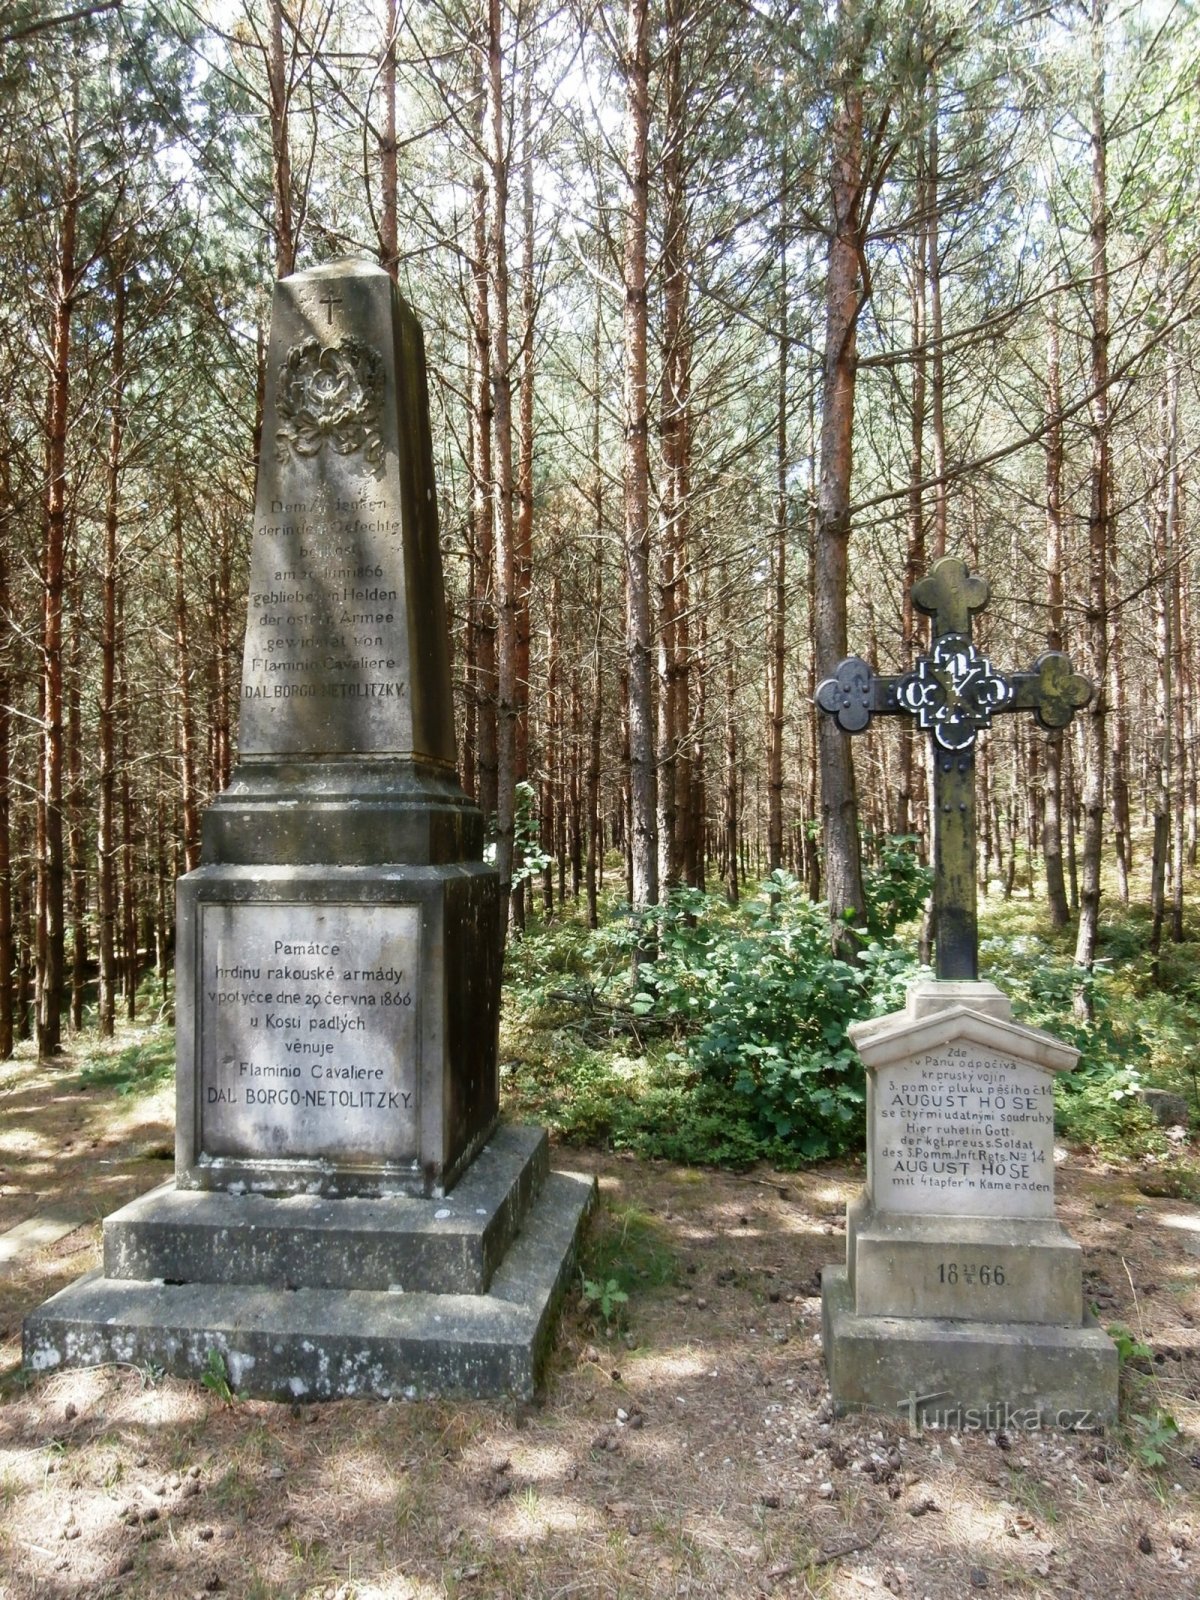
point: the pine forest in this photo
(737, 317)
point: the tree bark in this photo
(389, 233)
(50, 931)
(76, 823)
(937, 395)
(106, 709)
(483, 611)
(523, 551)
(730, 816)
(638, 638)
(184, 732)
(278, 98)
(1052, 844)
(7, 636)
(839, 800)
(1163, 778)
(777, 625)
(1095, 721)
(502, 459)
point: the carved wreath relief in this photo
(331, 395)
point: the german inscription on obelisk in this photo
(326, 665)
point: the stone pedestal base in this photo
(966, 1376)
(449, 1296)
(974, 1269)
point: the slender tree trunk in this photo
(552, 743)
(523, 554)
(1181, 700)
(638, 635)
(7, 636)
(281, 163)
(76, 825)
(673, 780)
(129, 906)
(106, 710)
(222, 737)
(839, 800)
(730, 809)
(916, 560)
(50, 886)
(483, 606)
(502, 460)
(1119, 731)
(389, 234)
(1052, 845)
(185, 736)
(697, 864)
(1164, 780)
(937, 396)
(1095, 720)
(777, 626)
(575, 789)
(595, 846)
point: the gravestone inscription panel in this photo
(965, 1131)
(308, 1046)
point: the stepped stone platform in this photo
(305, 1298)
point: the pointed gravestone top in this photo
(346, 645)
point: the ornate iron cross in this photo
(954, 692)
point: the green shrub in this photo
(758, 1006)
(896, 885)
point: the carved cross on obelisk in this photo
(954, 692)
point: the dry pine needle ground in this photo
(687, 1452)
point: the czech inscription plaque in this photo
(308, 1030)
(963, 1131)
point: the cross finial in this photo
(950, 595)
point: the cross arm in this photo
(854, 694)
(1052, 689)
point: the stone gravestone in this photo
(961, 1301)
(347, 1217)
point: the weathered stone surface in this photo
(960, 1109)
(1170, 1110)
(346, 745)
(437, 1098)
(340, 1223)
(959, 1284)
(307, 1242)
(973, 1269)
(967, 1376)
(345, 649)
(319, 1344)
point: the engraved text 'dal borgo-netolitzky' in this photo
(953, 691)
(331, 394)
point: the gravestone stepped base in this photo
(307, 1298)
(961, 1300)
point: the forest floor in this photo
(688, 1449)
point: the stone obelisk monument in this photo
(338, 951)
